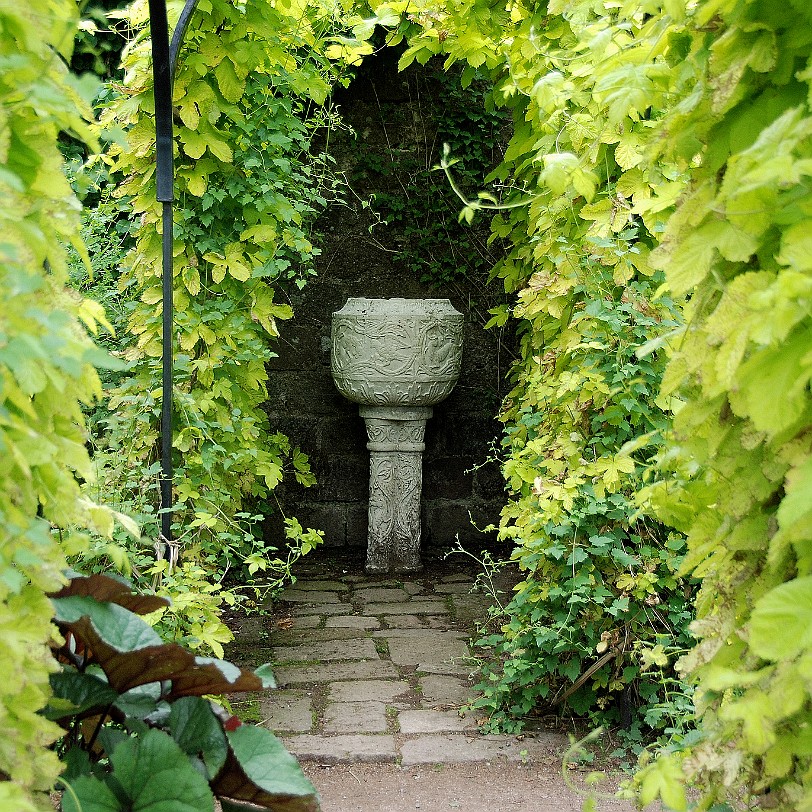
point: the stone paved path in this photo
(375, 669)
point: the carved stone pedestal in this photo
(395, 482)
(397, 358)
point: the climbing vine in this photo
(739, 464)
(602, 600)
(249, 91)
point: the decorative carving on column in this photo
(395, 483)
(397, 358)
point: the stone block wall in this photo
(459, 483)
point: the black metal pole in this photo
(164, 62)
(162, 76)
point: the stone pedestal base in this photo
(395, 482)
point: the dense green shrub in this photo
(583, 422)
(691, 124)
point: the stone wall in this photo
(393, 115)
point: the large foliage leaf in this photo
(104, 622)
(199, 732)
(110, 589)
(131, 654)
(75, 694)
(259, 770)
(781, 624)
(150, 773)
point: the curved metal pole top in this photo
(178, 34)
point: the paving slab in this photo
(377, 690)
(306, 622)
(469, 608)
(342, 749)
(458, 748)
(321, 586)
(454, 588)
(371, 582)
(537, 746)
(456, 668)
(359, 649)
(417, 649)
(404, 622)
(296, 637)
(380, 595)
(294, 595)
(355, 717)
(442, 690)
(323, 609)
(413, 587)
(352, 622)
(420, 633)
(287, 711)
(432, 721)
(458, 576)
(334, 672)
(438, 622)
(417, 607)
(254, 629)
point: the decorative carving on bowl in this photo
(396, 352)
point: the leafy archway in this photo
(648, 139)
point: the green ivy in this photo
(601, 587)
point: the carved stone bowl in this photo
(396, 352)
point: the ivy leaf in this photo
(111, 589)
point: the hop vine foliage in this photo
(740, 460)
(47, 373)
(249, 88)
(582, 424)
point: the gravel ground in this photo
(471, 787)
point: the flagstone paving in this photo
(376, 669)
